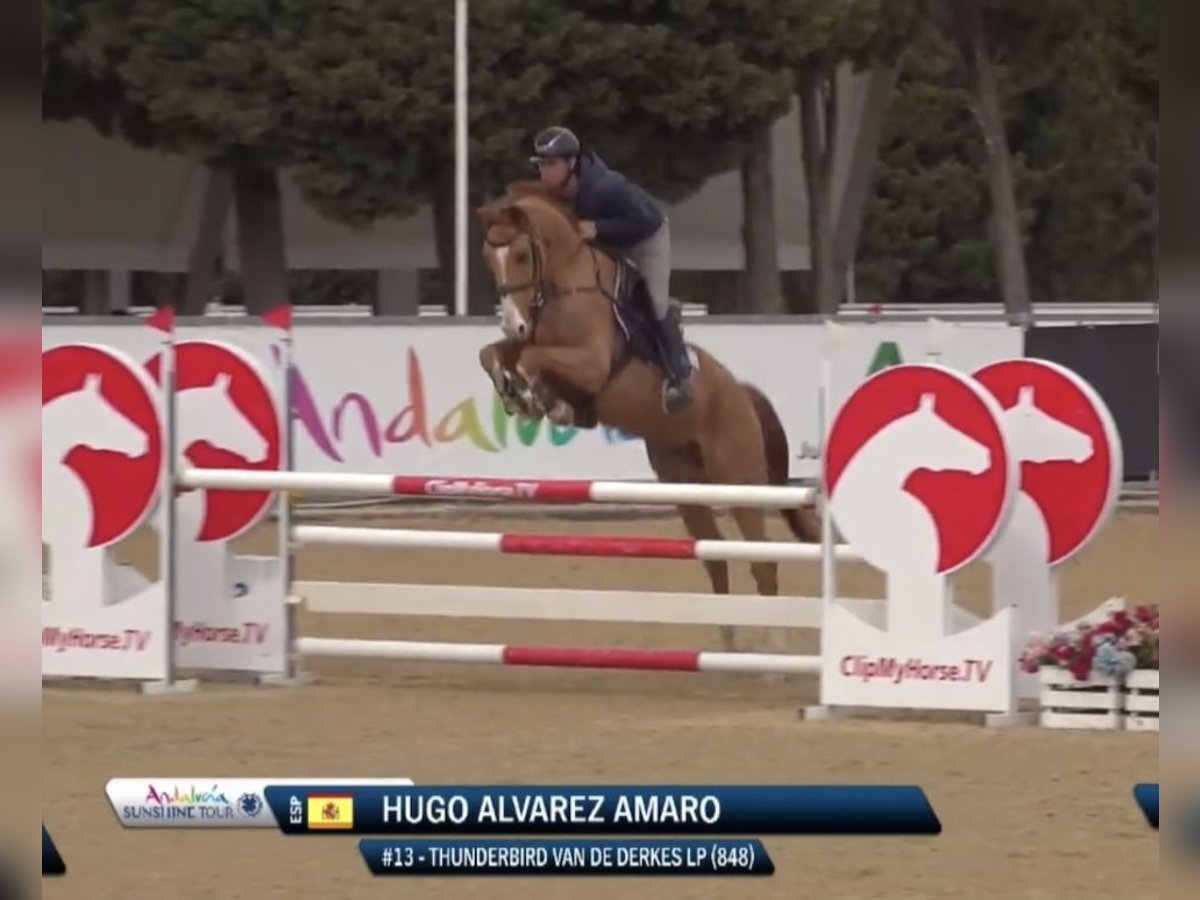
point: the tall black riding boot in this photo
(675, 361)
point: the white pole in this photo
(170, 520)
(284, 500)
(824, 414)
(460, 158)
(940, 334)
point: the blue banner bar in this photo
(52, 861)
(613, 810)
(1146, 796)
(493, 856)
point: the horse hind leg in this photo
(684, 466)
(701, 524)
(734, 455)
(752, 523)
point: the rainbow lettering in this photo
(185, 798)
(414, 421)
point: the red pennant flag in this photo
(162, 319)
(279, 316)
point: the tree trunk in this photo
(260, 242)
(762, 290)
(818, 127)
(1006, 223)
(204, 260)
(481, 299)
(861, 147)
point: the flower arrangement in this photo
(1114, 647)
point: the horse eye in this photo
(521, 256)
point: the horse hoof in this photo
(561, 414)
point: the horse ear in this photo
(498, 214)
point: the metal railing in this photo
(361, 314)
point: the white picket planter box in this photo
(1068, 703)
(1141, 700)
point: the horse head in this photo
(209, 413)
(941, 446)
(527, 237)
(515, 255)
(1038, 437)
(101, 425)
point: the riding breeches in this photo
(653, 259)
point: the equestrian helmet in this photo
(555, 142)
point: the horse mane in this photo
(521, 190)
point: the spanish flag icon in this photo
(330, 812)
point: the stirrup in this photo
(676, 396)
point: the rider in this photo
(618, 214)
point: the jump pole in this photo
(632, 659)
(508, 490)
(565, 545)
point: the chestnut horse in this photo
(566, 356)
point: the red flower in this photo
(1080, 668)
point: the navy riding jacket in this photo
(624, 214)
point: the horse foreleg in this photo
(499, 361)
(500, 358)
(583, 369)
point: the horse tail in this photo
(801, 520)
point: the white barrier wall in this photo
(383, 398)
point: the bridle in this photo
(541, 291)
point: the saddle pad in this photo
(634, 314)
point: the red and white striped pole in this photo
(628, 658)
(557, 491)
(566, 544)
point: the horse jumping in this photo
(575, 352)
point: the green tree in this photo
(666, 90)
(1091, 137)
(925, 235)
(1078, 83)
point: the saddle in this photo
(633, 311)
